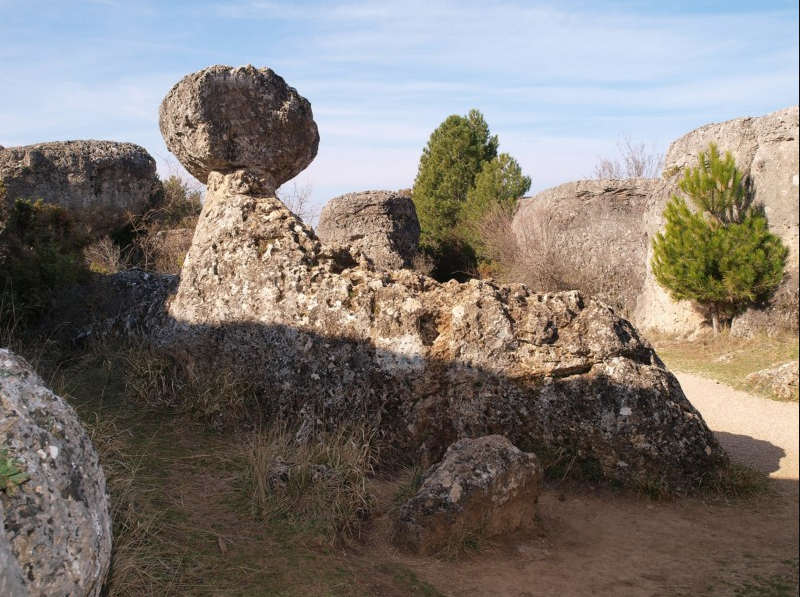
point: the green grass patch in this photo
(728, 359)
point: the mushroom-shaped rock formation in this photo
(324, 336)
(225, 119)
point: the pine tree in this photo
(721, 256)
(460, 176)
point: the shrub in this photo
(722, 257)
(637, 162)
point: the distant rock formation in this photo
(593, 229)
(57, 523)
(482, 488)
(98, 182)
(325, 337)
(381, 224)
(766, 150)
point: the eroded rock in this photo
(99, 182)
(57, 524)
(781, 380)
(482, 488)
(381, 224)
(224, 119)
(324, 337)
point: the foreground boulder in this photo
(325, 337)
(482, 488)
(589, 232)
(381, 224)
(99, 182)
(766, 150)
(57, 523)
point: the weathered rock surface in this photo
(482, 488)
(765, 149)
(99, 182)
(57, 524)
(781, 380)
(381, 224)
(325, 337)
(592, 229)
(226, 119)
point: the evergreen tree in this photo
(460, 177)
(455, 153)
(721, 256)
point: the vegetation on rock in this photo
(721, 256)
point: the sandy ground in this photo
(595, 542)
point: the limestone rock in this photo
(781, 380)
(595, 229)
(765, 149)
(381, 224)
(225, 119)
(482, 488)
(324, 337)
(57, 524)
(428, 363)
(98, 182)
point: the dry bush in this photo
(637, 162)
(320, 486)
(163, 233)
(298, 200)
(104, 257)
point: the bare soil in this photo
(592, 541)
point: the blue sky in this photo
(557, 81)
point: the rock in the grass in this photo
(781, 380)
(100, 183)
(225, 119)
(482, 488)
(381, 224)
(57, 523)
(323, 335)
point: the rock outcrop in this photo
(766, 150)
(381, 224)
(325, 337)
(225, 119)
(592, 230)
(780, 380)
(57, 523)
(482, 488)
(98, 182)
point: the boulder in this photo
(381, 224)
(766, 150)
(324, 337)
(591, 232)
(225, 119)
(99, 182)
(57, 523)
(781, 380)
(482, 488)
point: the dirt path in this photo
(594, 542)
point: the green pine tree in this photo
(721, 256)
(460, 175)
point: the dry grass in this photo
(320, 487)
(726, 358)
